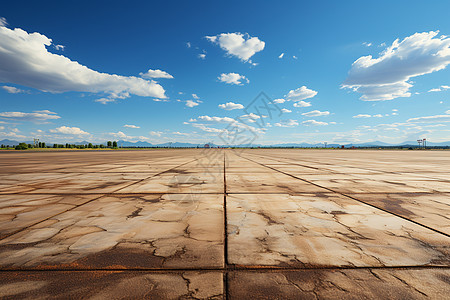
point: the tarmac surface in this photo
(225, 224)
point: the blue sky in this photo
(166, 71)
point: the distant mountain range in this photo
(191, 145)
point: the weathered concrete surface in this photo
(111, 285)
(341, 284)
(148, 231)
(325, 230)
(152, 224)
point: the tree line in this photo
(24, 146)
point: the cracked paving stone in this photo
(341, 284)
(148, 231)
(325, 230)
(111, 285)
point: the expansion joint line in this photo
(353, 198)
(225, 230)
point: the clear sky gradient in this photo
(188, 71)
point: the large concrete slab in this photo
(341, 284)
(148, 231)
(112, 285)
(323, 230)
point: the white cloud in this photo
(3, 22)
(26, 61)
(431, 119)
(217, 119)
(367, 44)
(294, 57)
(60, 47)
(12, 90)
(386, 77)
(36, 116)
(105, 100)
(232, 78)
(188, 44)
(301, 93)
(208, 129)
(316, 113)
(69, 130)
(190, 103)
(131, 126)
(285, 110)
(279, 101)
(302, 104)
(155, 133)
(237, 44)
(440, 89)
(447, 112)
(287, 123)
(395, 109)
(156, 74)
(233, 122)
(231, 106)
(195, 96)
(281, 55)
(202, 56)
(377, 116)
(362, 116)
(314, 123)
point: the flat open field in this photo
(236, 224)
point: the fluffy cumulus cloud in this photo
(36, 116)
(233, 78)
(238, 44)
(300, 94)
(279, 101)
(231, 106)
(131, 126)
(156, 74)
(26, 61)
(302, 104)
(69, 130)
(12, 90)
(314, 123)
(386, 77)
(285, 110)
(316, 113)
(191, 103)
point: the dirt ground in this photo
(215, 224)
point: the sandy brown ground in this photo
(214, 224)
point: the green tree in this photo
(109, 144)
(114, 144)
(22, 146)
(90, 146)
(43, 145)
